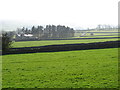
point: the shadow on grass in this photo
(64, 47)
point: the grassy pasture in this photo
(111, 33)
(98, 35)
(70, 69)
(95, 36)
(116, 30)
(56, 42)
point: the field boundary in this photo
(64, 47)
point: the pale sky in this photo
(73, 13)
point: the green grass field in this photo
(94, 36)
(96, 68)
(98, 35)
(116, 30)
(56, 42)
(114, 33)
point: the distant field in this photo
(104, 30)
(116, 30)
(55, 42)
(70, 69)
(96, 33)
(96, 36)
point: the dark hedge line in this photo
(65, 47)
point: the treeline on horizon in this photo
(49, 31)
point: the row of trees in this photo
(106, 27)
(50, 31)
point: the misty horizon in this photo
(77, 14)
(9, 25)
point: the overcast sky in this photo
(74, 13)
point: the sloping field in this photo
(56, 42)
(70, 69)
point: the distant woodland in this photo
(50, 31)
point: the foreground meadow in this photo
(96, 68)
